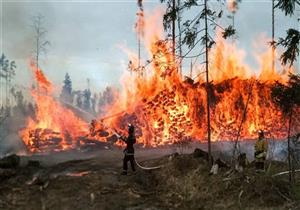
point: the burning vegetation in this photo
(54, 127)
(222, 101)
(164, 107)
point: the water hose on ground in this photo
(147, 168)
(136, 162)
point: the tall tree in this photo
(287, 98)
(66, 93)
(94, 100)
(194, 34)
(87, 100)
(273, 35)
(207, 83)
(179, 36)
(106, 98)
(79, 102)
(40, 32)
(7, 72)
(4, 62)
(233, 6)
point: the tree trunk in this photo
(273, 37)
(37, 59)
(179, 38)
(173, 33)
(6, 88)
(291, 174)
(207, 87)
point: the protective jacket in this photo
(130, 141)
(261, 149)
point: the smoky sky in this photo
(85, 36)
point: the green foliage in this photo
(193, 29)
(210, 41)
(287, 96)
(190, 36)
(288, 6)
(169, 16)
(228, 32)
(7, 68)
(291, 45)
(189, 3)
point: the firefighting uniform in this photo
(261, 149)
(129, 153)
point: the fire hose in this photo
(285, 172)
(136, 162)
(147, 168)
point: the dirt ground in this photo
(92, 180)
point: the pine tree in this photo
(66, 93)
(79, 99)
(291, 44)
(87, 100)
(7, 72)
(106, 98)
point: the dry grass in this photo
(185, 183)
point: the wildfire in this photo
(54, 127)
(165, 108)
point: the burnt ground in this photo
(92, 180)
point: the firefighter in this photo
(261, 149)
(129, 150)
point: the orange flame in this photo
(54, 127)
(167, 109)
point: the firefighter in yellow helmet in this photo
(261, 149)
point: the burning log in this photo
(45, 140)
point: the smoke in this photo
(277, 149)
(10, 142)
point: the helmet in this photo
(261, 133)
(130, 128)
